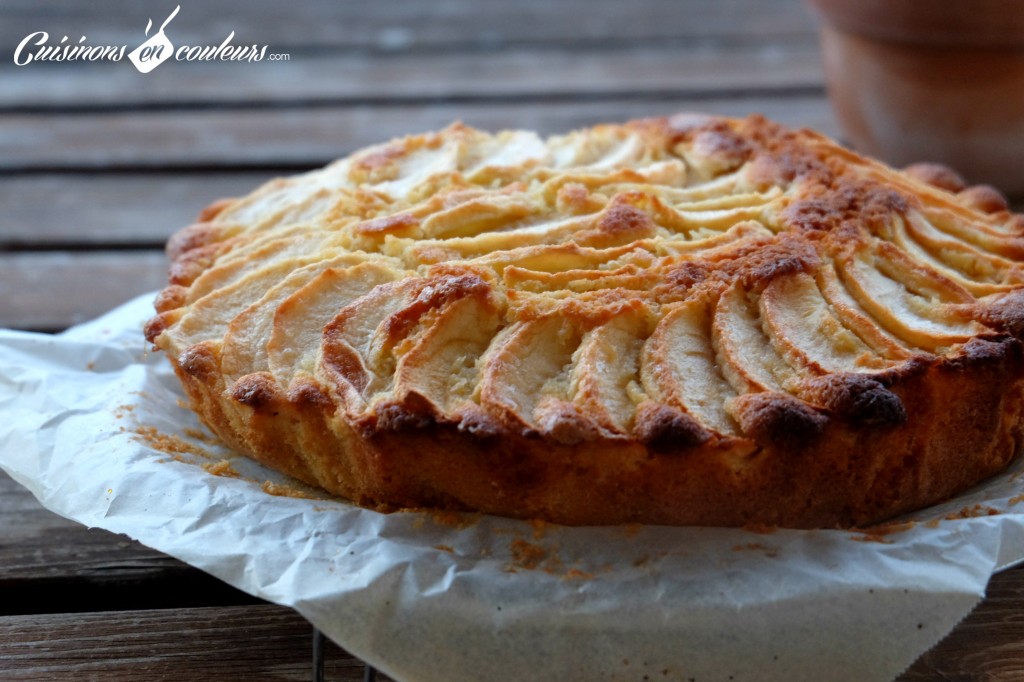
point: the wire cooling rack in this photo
(369, 672)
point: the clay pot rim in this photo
(997, 24)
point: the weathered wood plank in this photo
(54, 290)
(987, 645)
(49, 564)
(406, 24)
(402, 76)
(259, 642)
(312, 136)
(41, 211)
(39, 552)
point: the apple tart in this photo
(689, 320)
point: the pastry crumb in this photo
(539, 528)
(221, 468)
(972, 512)
(888, 528)
(577, 574)
(121, 410)
(770, 552)
(452, 519)
(202, 437)
(282, 490)
(527, 555)
(168, 444)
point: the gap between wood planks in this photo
(408, 101)
(455, 24)
(214, 643)
(415, 79)
(239, 140)
(52, 291)
(49, 564)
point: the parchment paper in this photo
(432, 596)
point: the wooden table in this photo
(99, 164)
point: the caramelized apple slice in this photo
(240, 262)
(976, 270)
(365, 341)
(527, 374)
(208, 318)
(245, 343)
(679, 368)
(605, 378)
(297, 323)
(856, 319)
(745, 354)
(350, 350)
(804, 330)
(441, 364)
(912, 303)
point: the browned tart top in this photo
(671, 284)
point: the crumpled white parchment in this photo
(431, 596)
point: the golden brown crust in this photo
(691, 320)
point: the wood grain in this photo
(987, 645)
(234, 643)
(271, 642)
(82, 210)
(405, 25)
(49, 564)
(404, 77)
(49, 291)
(307, 137)
(99, 164)
(40, 552)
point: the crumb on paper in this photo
(183, 404)
(441, 517)
(972, 512)
(121, 410)
(632, 529)
(539, 528)
(880, 532)
(526, 555)
(221, 468)
(1016, 499)
(445, 548)
(453, 519)
(282, 490)
(168, 444)
(641, 561)
(770, 552)
(530, 556)
(760, 528)
(90, 365)
(887, 528)
(202, 437)
(577, 574)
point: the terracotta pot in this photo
(931, 80)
